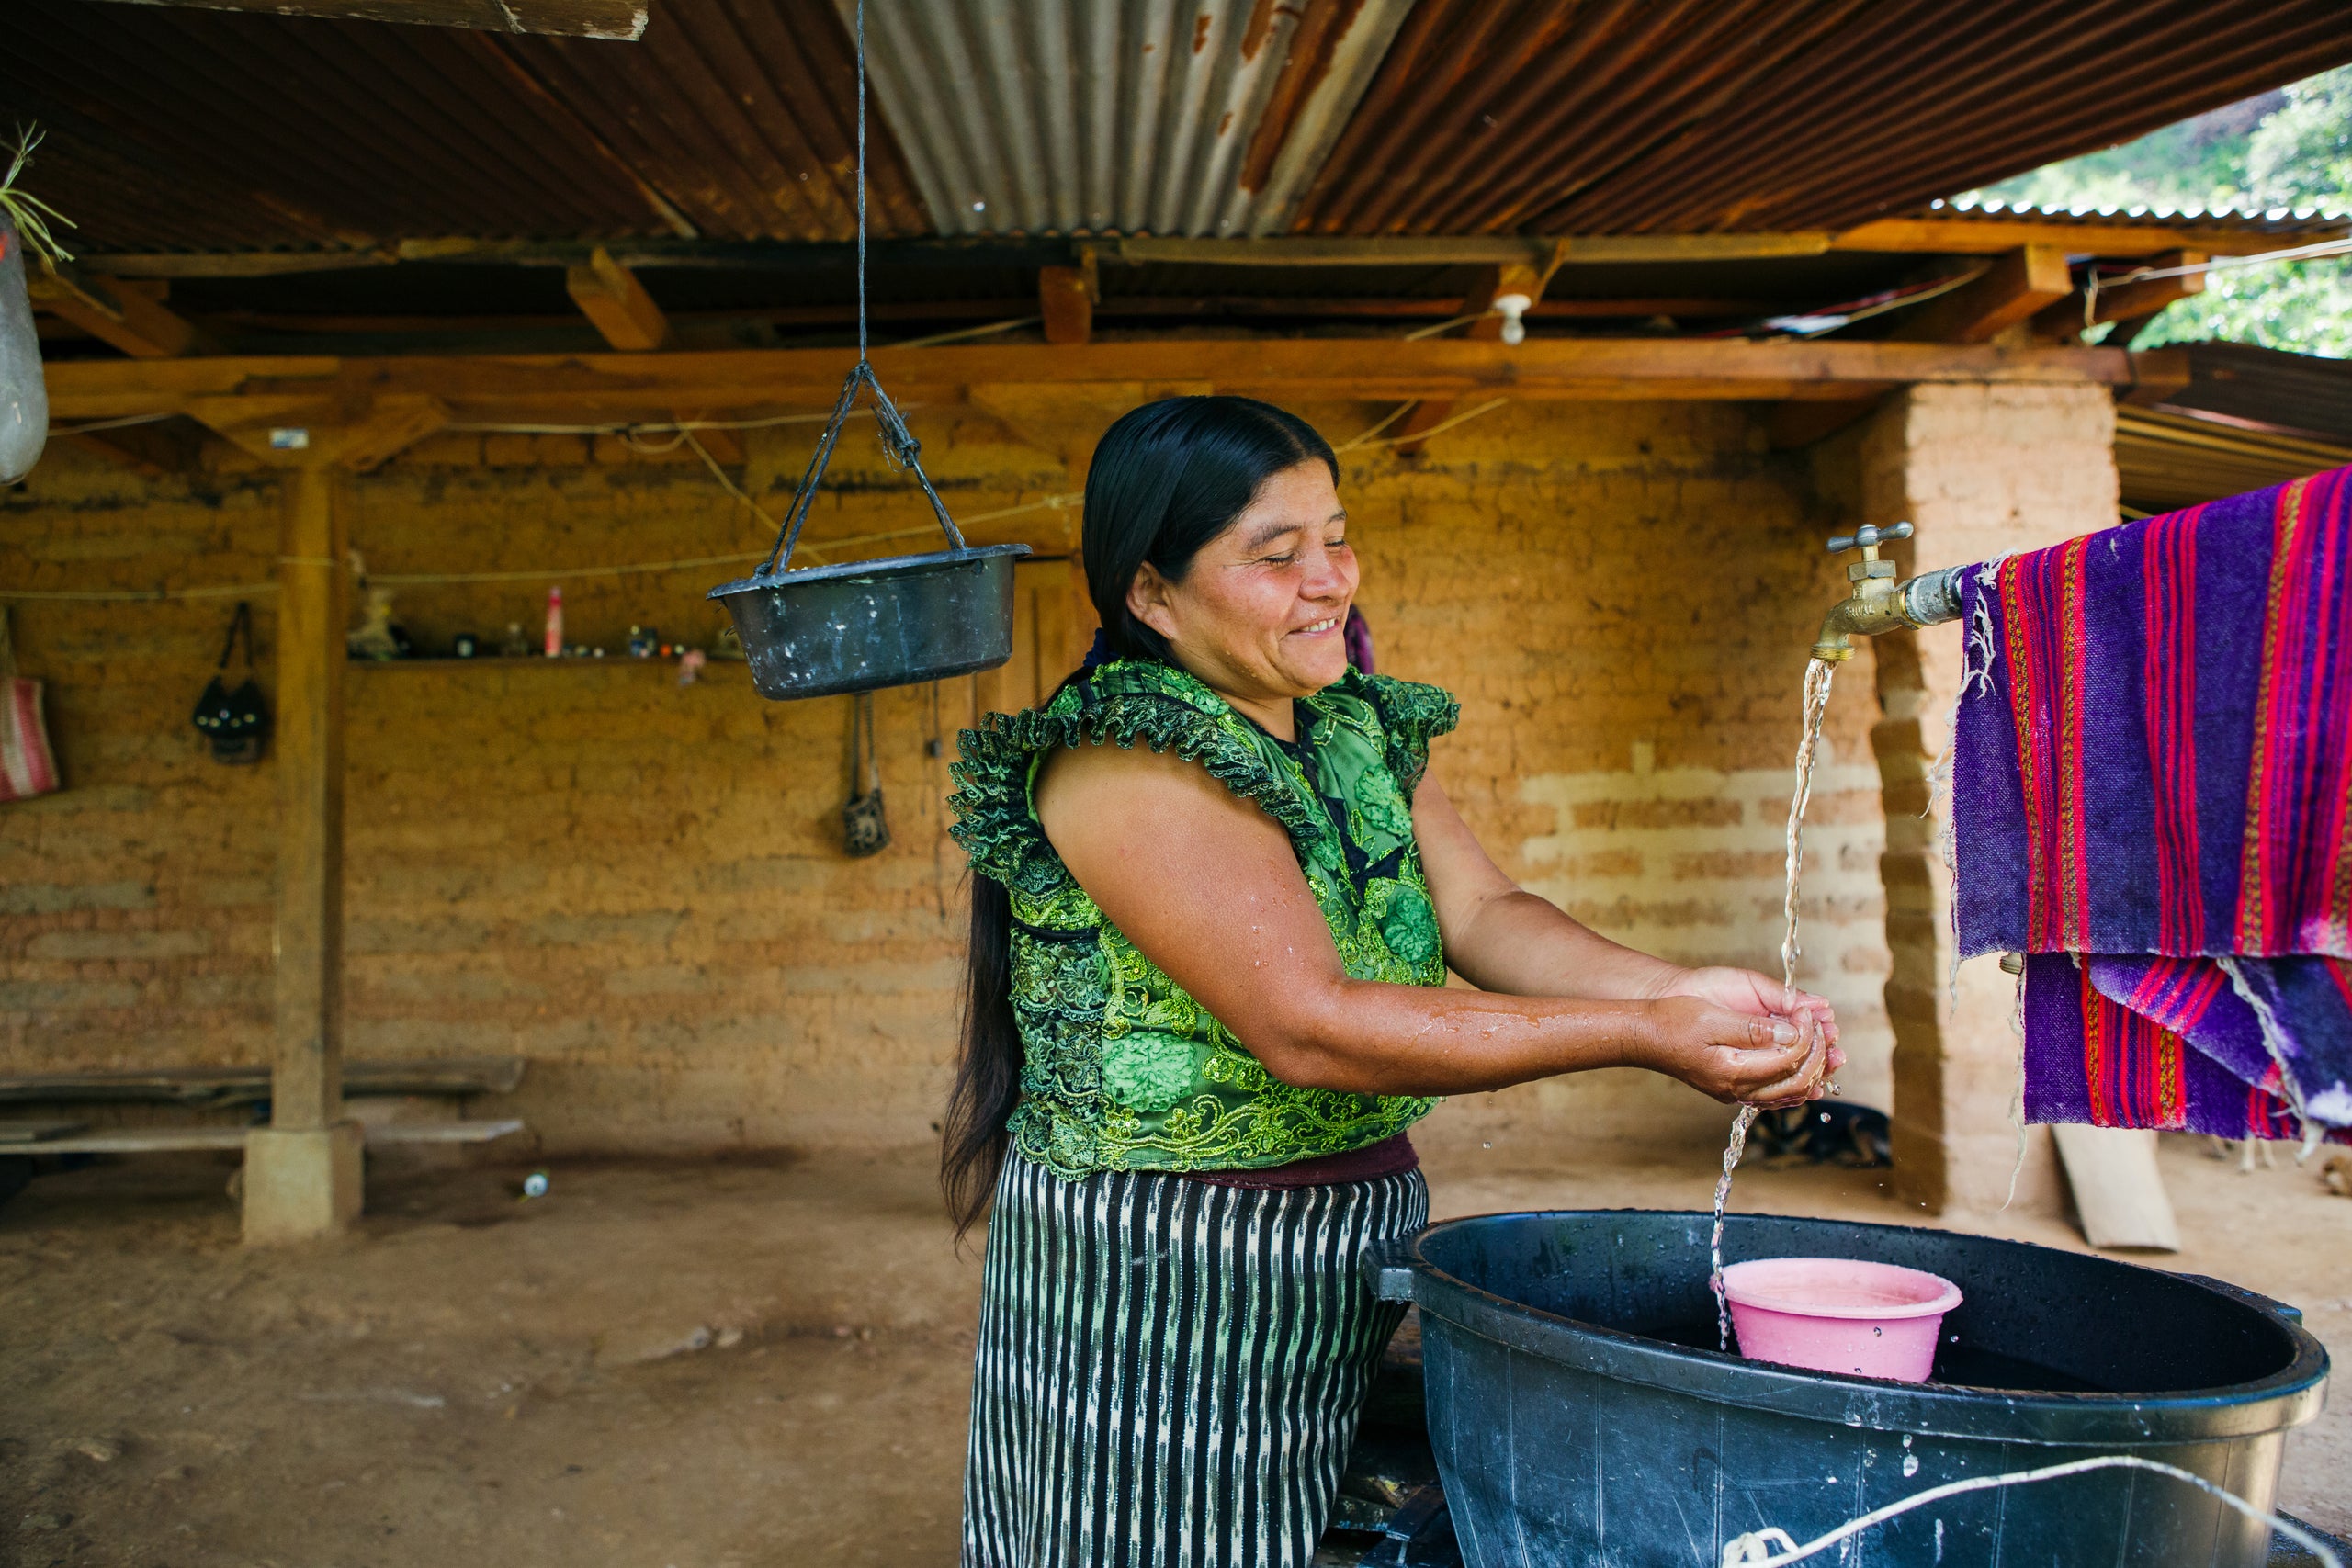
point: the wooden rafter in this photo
(2016, 286)
(523, 388)
(132, 316)
(610, 295)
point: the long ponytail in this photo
(988, 1070)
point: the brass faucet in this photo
(1879, 603)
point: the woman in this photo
(1207, 999)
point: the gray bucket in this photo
(861, 626)
(867, 624)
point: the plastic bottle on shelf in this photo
(554, 623)
(516, 645)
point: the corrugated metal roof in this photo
(2272, 220)
(199, 130)
(1119, 116)
(183, 129)
(1695, 116)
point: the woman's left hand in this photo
(1744, 990)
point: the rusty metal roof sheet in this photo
(1696, 115)
(1121, 116)
(179, 128)
(198, 130)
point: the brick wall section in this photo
(1982, 472)
(640, 887)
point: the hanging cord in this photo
(1772, 1547)
(861, 183)
(243, 621)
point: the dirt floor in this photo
(673, 1365)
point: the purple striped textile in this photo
(2152, 796)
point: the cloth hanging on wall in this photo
(2151, 799)
(28, 766)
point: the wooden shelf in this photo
(534, 662)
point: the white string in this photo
(1758, 1549)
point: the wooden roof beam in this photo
(2134, 301)
(1978, 237)
(585, 388)
(610, 295)
(2012, 290)
(132, 317)
(1495, 283)
(619, 21)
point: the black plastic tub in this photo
(1580, 1413)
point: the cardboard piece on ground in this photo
(2118, 1193)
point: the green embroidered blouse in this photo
(1122, 1070)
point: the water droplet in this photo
(1910, 1464)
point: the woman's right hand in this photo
(1738, 1057)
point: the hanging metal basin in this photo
(864, 624)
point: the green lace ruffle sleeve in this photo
(1122, 1069)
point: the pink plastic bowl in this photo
(1836, 1314)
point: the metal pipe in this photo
(1879, 603)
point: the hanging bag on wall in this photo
(28, 767)
(864, 831)
(236, 722)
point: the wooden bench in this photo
(228, 1088)
(453, 1077)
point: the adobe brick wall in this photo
(640, 887)
(1982, 472)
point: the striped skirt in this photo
(1170, 1373)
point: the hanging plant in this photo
(24, 396)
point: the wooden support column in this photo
(302, 1172)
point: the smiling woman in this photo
(1216, 898)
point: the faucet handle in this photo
(1868, 537)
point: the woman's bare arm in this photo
(1499, 937)
(1205, 884)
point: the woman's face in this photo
(1259, 613)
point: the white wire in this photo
(1756, 1548)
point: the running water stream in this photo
(1817, 674)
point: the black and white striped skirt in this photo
(1170, 1372)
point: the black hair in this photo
(1166, 479)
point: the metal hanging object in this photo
(862, 625)
(865, 624)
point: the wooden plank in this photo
(2136, 301)
(574, 388)
(1979, 237)
(612, 298)
(306, 1077)
(224, 1086)
(1066, 301)
(1474, 250)
(181, 1140)
(37, 1132)
(130, 318)
(2119, 1192)
(2019, 284)
(619, 21)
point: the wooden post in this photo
(302, 1173)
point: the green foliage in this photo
(2289, 150)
